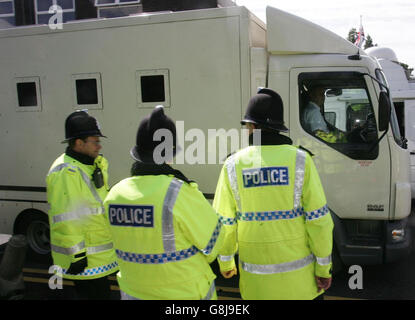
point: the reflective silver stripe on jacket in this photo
(60, 167)
(226, 258)
(169, 241)
(68, 251)
(78, 247)
(324, 261)
(210, 293)
(278, 268)
(233, 181)
(100, 248)
(85, 177)
(126, 296)
(77, 214)
(299, 177)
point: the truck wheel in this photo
(338, 264)
(35, 226)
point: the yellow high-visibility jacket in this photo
(165, 235)
(77, 218)
(275, 215)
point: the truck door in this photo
(410, 135)
(333, 114)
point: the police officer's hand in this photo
(78, 266)
(230, 273)
(323, 283)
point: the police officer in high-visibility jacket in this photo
(165, 232)
(313, 121)
(274, 210)
(77, 184)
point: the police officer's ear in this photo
(76, 143)
(79, 142)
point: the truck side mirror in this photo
(384, 111)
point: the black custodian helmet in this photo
(145, 143)
(266, 109)
(80, 124)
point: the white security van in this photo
(402, 88)
(203, 66)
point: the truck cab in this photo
(363, 164)
(402, 88)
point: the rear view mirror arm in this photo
(381, 85)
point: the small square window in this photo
(66, 4)
(122, 11)
(87, 91)
(153, 88)
(28, 94)
(43, 18)
(99, 3)
(6, 7)
(43, 5)
(104, 2)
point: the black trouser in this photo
(95, 289)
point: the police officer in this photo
(274, 210)
(314, 122)
(165, 232)
(77, 184)
(313, 112)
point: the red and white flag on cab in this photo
(360, 35)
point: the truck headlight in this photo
(398, 235)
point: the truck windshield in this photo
(394, 119)
(335, 108)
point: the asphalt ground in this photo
(393, 281)
(36, 278)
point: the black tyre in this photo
(35, 226)
(338, 264)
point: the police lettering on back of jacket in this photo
(274, 212)
(165, 232)
(269, 176)
(132, 216)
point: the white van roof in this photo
(290, 34)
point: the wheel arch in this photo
(23, 215)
